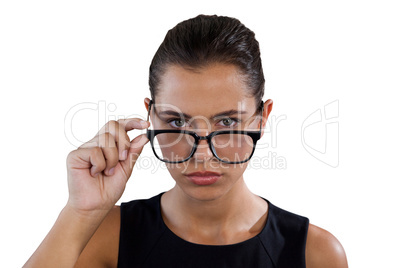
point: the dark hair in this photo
(204, 40)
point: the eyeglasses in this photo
(228, 146)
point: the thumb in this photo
(136, 146)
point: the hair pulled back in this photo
(205, 40)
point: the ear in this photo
(267, 110)
(146, 103)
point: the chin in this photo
(191, 189)
(203, 193)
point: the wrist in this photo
(82, 216)
(67, 238)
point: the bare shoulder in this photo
(323, 250)
(103, 248)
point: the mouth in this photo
(203, 178)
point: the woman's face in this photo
(204, 94)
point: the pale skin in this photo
(86, 233)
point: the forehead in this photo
(206, 90)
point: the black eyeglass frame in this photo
(255, 136)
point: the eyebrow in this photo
(186, 116)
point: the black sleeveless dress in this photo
(145, 241)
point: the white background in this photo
(55, 55)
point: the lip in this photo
(204, 177)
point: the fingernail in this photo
(124, 155)
(144, 123)
(111, 171)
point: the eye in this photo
(177, 123)
(228, 122)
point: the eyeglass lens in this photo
(173, 147)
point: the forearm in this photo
(66, 240)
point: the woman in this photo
(207, 84)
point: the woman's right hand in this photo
(99, 169)
(97, 175)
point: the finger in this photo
(127, 124)
(87, 158)
(97, 160)
(118, 129)
(120, 136)
(90, 144)
(135, 150)
(133, 123)
(108, 145)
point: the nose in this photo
(203, 128)
(203, 152)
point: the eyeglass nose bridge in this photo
(199, 138)
(208, 138)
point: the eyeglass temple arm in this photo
(149, 108)
(262, 113)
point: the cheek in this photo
(177, 170)
(235, 171)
